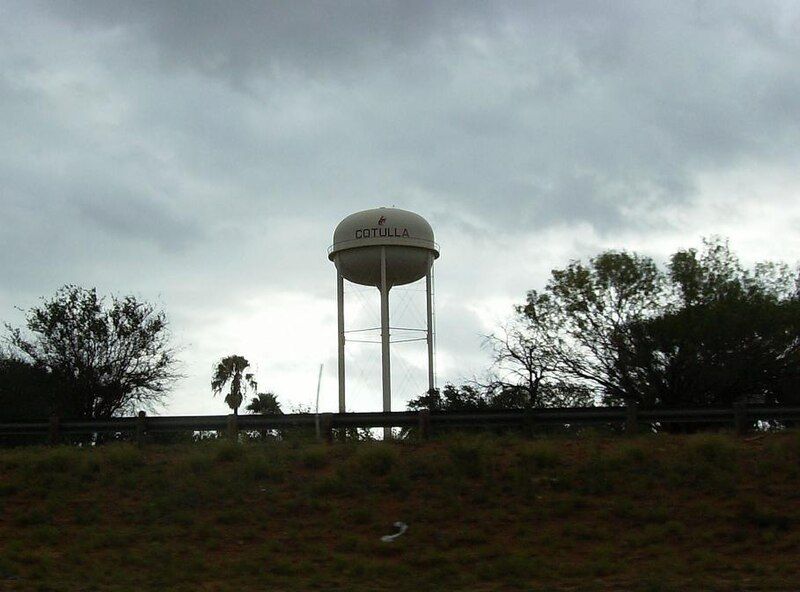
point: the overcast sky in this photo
(199, 155)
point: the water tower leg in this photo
(385, 363)
(429, 334)
(340, 307)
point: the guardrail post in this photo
(233, 427)
(53, 429)
(740, 417)
(632, 417)
(141, 427)
(424, 422)
(327, 427)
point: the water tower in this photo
(383, 247)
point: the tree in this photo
(733, 335)
(527, 369)
(230, 371)
(265, 404)
(26, 391)
(705, 331)
(469, 397)
(107, 356)
(26, 394)
(523, 359)
(452, 398)
(594, 306)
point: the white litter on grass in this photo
(391, 537)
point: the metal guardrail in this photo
(632, 418)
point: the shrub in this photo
(123, 456)
(315, 457)
(595, 475)
(329, 485)
(8, 489)
(469, 456)
(711, 448)
(707, 461)
(509, 568)
(260, 466)
(61, 459)
(540, 455)
(427, 466)
(757, 515)
(34, 517)
(227, 451)
(376, 460)
(200, 462)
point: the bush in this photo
(763, 518)
(469, 456)
(330, 485)
(711, 448)
(123, 456)
(596, 475)
(200, 462)
(376, 460)
(227, 451)
(315, 457)
(707, 461)
(540, 455)
(260, 466)
(58, 460)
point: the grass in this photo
(708, 511)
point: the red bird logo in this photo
(382, 221)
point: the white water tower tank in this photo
(406, 236)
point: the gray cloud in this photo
(203, 151)
(563, 110)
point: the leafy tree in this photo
(466, 397)
(265, 404)
(734, 334)
(26, 394)
(705, 331)
(526, 372)
(107, 356)
(556, 392)
(26, 391)
(230, 371)
(476, 397)
(593, 307)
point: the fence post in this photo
(327, 427)
(141, 427)
(740, 417)
(233, 427)
(424, 423)
(53, 429)
(632, 418)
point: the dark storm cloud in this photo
(554, 111)
(204, 150)
(559, 111)
(264, 38)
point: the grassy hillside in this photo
(706, 512)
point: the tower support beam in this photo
(385, 361)
(340, 318)
(429, 311)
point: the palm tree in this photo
(231, 370)
(265, 404)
